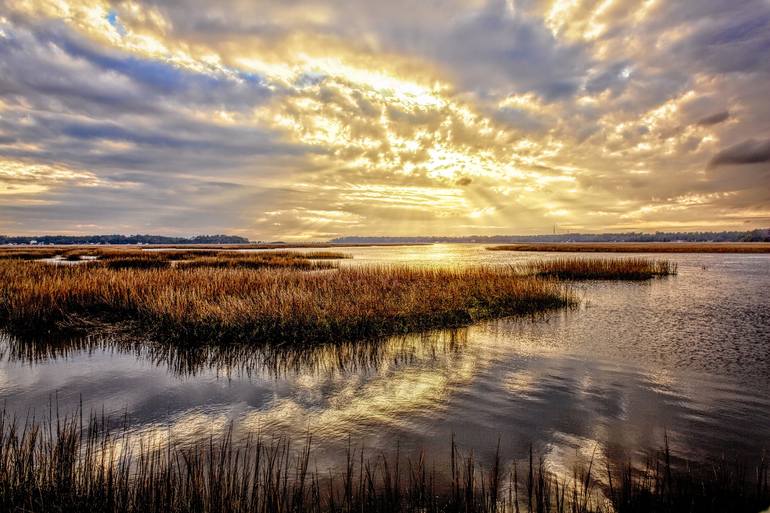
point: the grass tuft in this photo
(258, 262)
(601, 268)
(135, 262)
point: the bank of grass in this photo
(193, 255)
(171, 254)
(64, 466)
(640, 247)
(116, 258)
(601, 268)
(27, 254)
(132, 262)
(222, 260)
(257, 262)
(220, 304)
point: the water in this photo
(685, 356)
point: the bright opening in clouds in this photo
(314, 119)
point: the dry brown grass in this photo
(255, 262)
(115, 257)
(270, 305)
(133, 262)
(600, 268)
(77, 252)
(27, 254)
(68, 465)
(642, 247)
(220, 259)
(310, 255)
(119, 253)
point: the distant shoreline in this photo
(202, 247)
(218, 241)
(760, 235)
(640, 247)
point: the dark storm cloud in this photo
(714, 119)
(746, 152)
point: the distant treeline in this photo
(123, 239)
(762, 235)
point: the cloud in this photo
(714, 119)
(746, 152)
(346, 117)
(613, 78)
(734, 43)
(463, 181)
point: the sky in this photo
(310, 120)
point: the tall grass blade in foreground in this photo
(65, 466)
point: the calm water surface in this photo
(687, 356)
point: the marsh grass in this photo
(66, 465)
(324, 255)
(600, 268)
(121, 258)
(137, 262)
(312, 260)
(258, 262)
(311, 255)
(108, 253)
(166, 256)
(266, 305)
(74, 257)
(27, 254)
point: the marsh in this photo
(684, 357)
